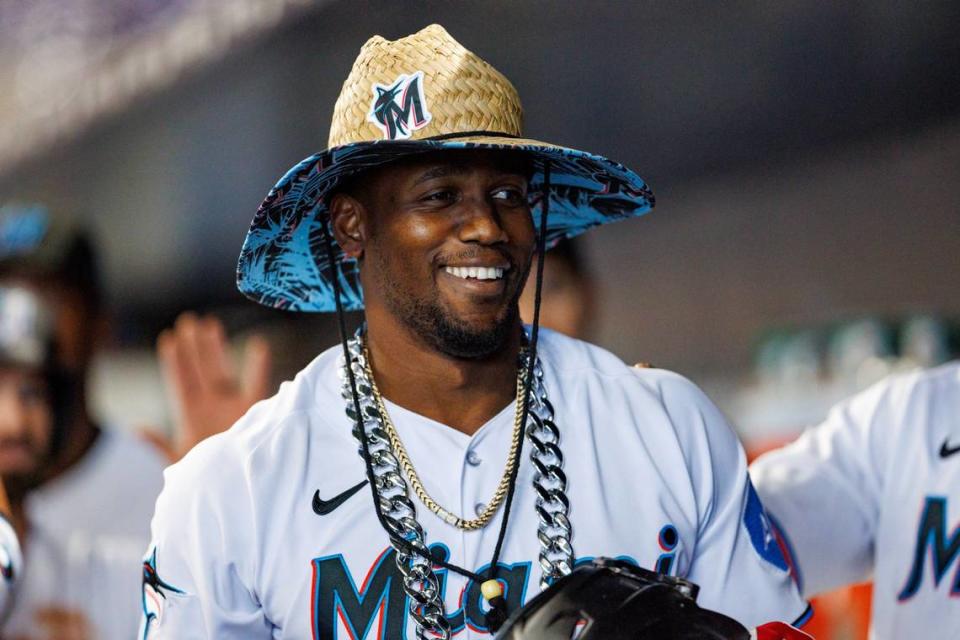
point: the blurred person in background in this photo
(567, 298)
(81, 494)
(873, 492)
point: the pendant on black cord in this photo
(492, 592)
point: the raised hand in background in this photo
(209, 392)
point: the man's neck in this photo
(462, 394)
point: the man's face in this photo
(448, 243)
(26, 422)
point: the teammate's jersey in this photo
(87, 531)
(11, 564)
(655, 477)
(875, 489)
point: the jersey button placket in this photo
(473, 474)
(472, 502)
(474, 460)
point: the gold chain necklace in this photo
(407, 465)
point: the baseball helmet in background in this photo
(35, 244)
(28, 341)
(615, 600)
(26, 330)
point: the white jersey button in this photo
(479, 507)
(473, 459)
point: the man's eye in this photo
(510, 195)
(444, 195)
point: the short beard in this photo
(457, 339)
(434, 325)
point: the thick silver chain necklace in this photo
(549, 482)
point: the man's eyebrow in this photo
(441, 171)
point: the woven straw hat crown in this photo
(462, 93)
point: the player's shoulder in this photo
(650, 402)
(314, 390)
(945, 377)
(572, 358)
(298, 405)
(912, 389)
(639, 410)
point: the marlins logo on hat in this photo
(422, 93)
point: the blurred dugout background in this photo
(805, 157)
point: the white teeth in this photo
(477, 273)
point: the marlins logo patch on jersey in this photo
(399, 109)
(154, 595)
(763, 533)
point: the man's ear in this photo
(346, 218)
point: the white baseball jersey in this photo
(655, 477)
(87, 531)
(11, 563)
(875, 490)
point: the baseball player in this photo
(874, 493)
(27, 399)
(81, 495)
(444, 463)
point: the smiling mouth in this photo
(476, 273)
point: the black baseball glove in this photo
(615, 600)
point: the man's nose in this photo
(481, 221)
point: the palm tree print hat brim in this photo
(421, 93)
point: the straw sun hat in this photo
(421, 93)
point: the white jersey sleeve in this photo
(11, 563)
(195, 585)
(833, 470)
(739, 560)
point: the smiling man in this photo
(492, 457)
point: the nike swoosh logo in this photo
(946, 450)
(322, 507)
